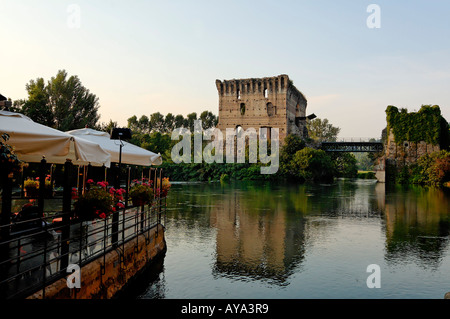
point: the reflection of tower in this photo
(254, 237)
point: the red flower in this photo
(90, 181)
(102, 184)
(120, 205)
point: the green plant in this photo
(425, 125)
(9, 162)
(434, 168)
(224, 178)
(313, 165)
(141, 193)
(31, 183)
(96, 202)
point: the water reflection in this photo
(417, 224)
(270, 233)
(260, 234)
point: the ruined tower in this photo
(271, 102)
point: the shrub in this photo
(141, 193)
(312, 165)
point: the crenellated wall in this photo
(272, 102)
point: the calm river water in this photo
(264, 240)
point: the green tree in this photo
(292, 144)
(179, 121)
(133, 123)
(37, 107)
(143, 123)
(156, 122)
(321, 130)
(312, 165)
(72, 104)
(64, 103)
(191, 117)
(345, 164)
(157, 142)
(432, 169)
(107, 127)
(208, 119)
(169, 122)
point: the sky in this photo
(141, 57)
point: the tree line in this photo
(65, 104)
(157, 122)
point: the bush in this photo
(292, 144)
(433, 169)
(345, 165)
(312, 165)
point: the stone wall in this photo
(407, 152)
(271, 102)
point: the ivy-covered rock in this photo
(426, 125)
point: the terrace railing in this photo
(43, 249)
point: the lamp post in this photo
(118, 134)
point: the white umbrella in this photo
(131, 154)
(33, 141)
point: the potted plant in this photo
(141, 193)
(96, 202)
(31, 187)
(165, 187)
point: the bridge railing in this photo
(355, 139)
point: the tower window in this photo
(242, 108)
(271, 109)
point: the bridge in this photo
(353, 145)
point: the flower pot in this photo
(31, 192)
(138, 202)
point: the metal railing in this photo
(40, 250)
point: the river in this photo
(265, 240)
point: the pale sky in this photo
(141, 57)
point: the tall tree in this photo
(64, 103)
(107, 127)
(191, 117)
(169, 122)
(208, 119)
(321, 130)
(156, 122)
(179, 121)
(37, 106)
(144, 123)
(133, 123)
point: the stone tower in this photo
(271, 102)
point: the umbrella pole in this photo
(84, 179)
(41, 195)
(67, 207)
